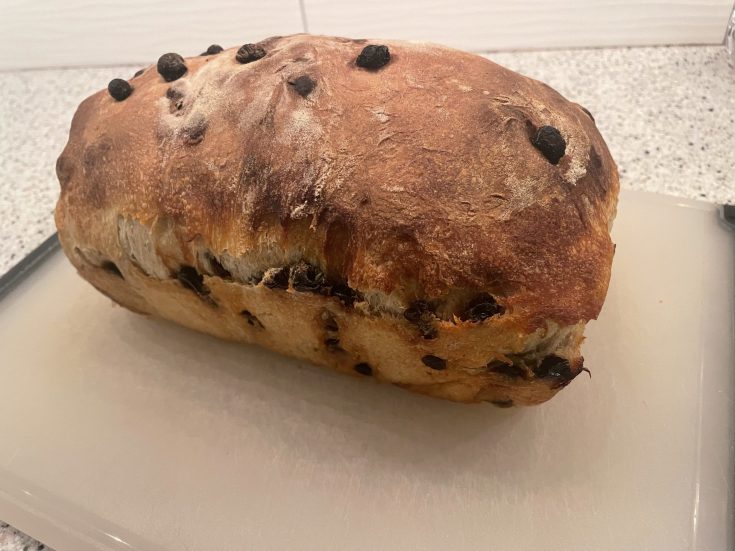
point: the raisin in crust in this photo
(407, 219)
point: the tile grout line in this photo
(304, 22)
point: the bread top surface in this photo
(418, 180)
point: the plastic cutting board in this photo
(120, 432)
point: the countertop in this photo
(667, 114)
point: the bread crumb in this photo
(380, 114)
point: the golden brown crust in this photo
(415, 181)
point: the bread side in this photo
(396, 222)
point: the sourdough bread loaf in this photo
(400, 211)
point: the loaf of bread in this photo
(400, 211)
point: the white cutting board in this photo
(120, 432)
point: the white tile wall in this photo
(52, 33)
(482, 25)
(59, 33)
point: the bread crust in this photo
(417, 181)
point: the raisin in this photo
(588, 113)
(416, 311)
(510, 370)
(553, 366)
(557, 370)
(276, 279)
(217, 268)
(303, 85)
(174, 94)
(112, 268)
(364, 369)
(177, 99)
(119, 89)
(307, 278)
(330, 324)
(373, 56)
(252, 319)
(138, 72)
(345, 294)
(213, 50)
(434, 362)
(194, 131)
(502, 403)
(480, 308)
(549, 141)
(332, 343)
(420, 314)
(249, 53)
(190, 278)
(171, 67)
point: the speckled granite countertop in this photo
(667, 113)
